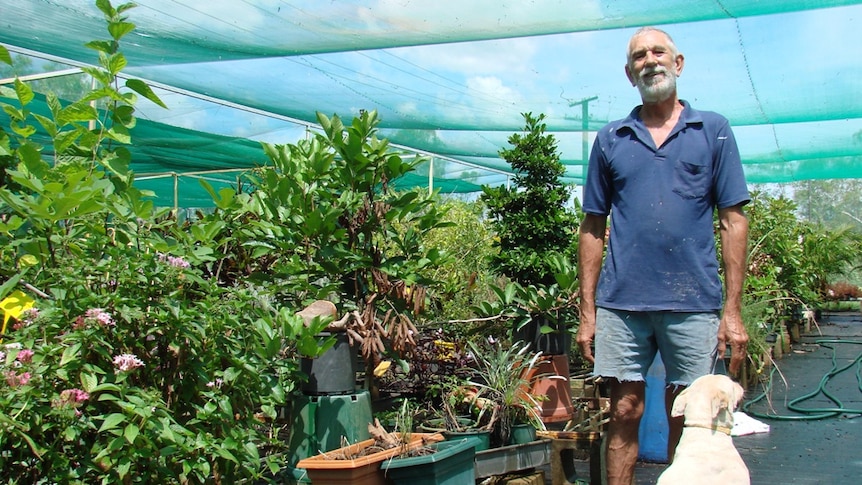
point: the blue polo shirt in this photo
(661, 200)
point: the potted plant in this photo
(359, 463)
(501, 378)
(447, 462)
(554, 305)
(536, 232)
(344, 222)
(462, 413)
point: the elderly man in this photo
(660, 174)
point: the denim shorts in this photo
(627, 342)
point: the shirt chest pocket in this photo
(691, 180)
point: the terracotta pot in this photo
(549, 381)
(364, 470)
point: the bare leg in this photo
(675, 424)
(627, 407)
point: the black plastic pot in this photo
(558, 342)
(334, 372)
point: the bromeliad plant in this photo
(502, 377)
(133, 365)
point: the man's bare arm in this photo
(733, 231)
(591, 244)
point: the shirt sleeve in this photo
(730, 185)
(597, 187)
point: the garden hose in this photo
(814, 413)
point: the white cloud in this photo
(493, 87)
(469, 58)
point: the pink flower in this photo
(100, 316)
(175, 261)
(71, 398)
(25, 356)
(28, 316)
(13, 379)
(127, 362)
(74, 396)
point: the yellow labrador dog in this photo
(705, 454)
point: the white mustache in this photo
(654, 70)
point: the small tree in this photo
(531, 218)
(536, 235)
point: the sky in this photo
(789, 83)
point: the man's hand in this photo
(584, 338)
(731, 331)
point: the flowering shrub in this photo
(176, 388)
(158, 352)
(134, 365)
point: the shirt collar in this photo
(635, 124)
(688, 116)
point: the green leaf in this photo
(118, 30)
(124, 115)
(227, 455)
(37, 450)
(32, 158)
(47, 123)
(77, 112)
(119, 133)
(70, 354)
(230, 374)
(23, 91)
(112, 421)
(99, 75)
(144, 90)
(106, 8)
(124, 467)
(116, 63)
(4, 55)
(9, 285)
(106, 386)
(24, 131)
(131, 433)
(88, 381)
(101, 46)
(70, 433)
(225, 197)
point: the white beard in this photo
(656, 89)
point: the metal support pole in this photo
(585, 124)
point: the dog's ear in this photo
(726, 397)
(720, 401)
(679, 404)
